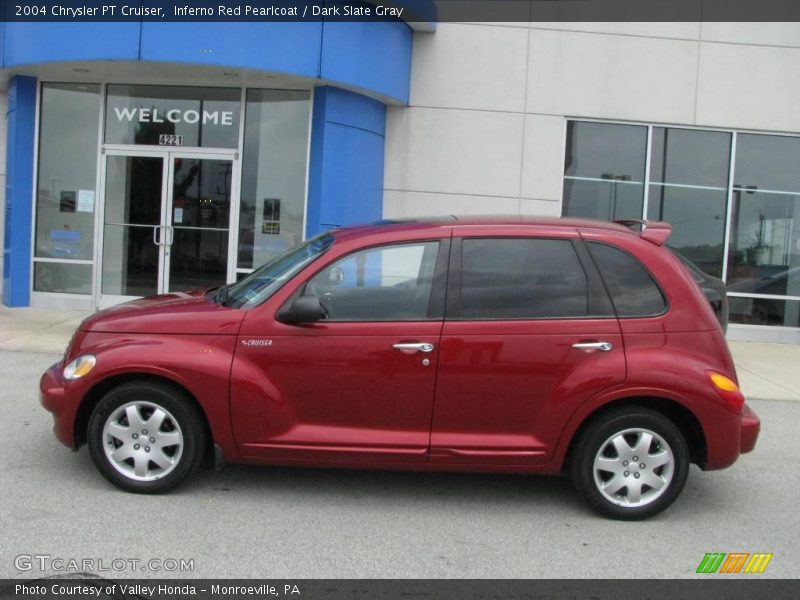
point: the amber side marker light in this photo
(79, 367)
(727, 389)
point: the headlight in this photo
(80, 366)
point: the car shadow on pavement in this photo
(388, 486)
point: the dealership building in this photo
(147, 157)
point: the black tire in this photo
(618, 499)
(164, 465)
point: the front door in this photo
(166, 223)
(358, 385)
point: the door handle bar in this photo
(602, 346)
(157, 235)
(413, 347)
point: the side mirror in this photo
(305, 309)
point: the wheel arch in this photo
(103, 387)
(680, 415)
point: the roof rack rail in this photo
(655, 232)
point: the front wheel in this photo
(146, 437)
(632, 464)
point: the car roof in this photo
(449, 221)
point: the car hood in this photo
(176, 313)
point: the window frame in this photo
(596, 293)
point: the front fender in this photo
(200, 364)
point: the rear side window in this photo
(632, 289)
(521, 278)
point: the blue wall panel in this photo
(30, 43)
(347, 157)
(372, 56)
(21, 120)
(285, 47)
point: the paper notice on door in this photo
(178, 216)
(85, 201)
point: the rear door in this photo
(529, 335)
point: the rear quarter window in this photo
(633, 290)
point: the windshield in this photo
(268, 279)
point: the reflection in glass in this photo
(273, 174)
(65, 189)
(130, 261)
(689, 172)
(198, 259)
(604, 170)
(201, 192)
(132, 216)
(764, 255)
(133, 190)
(65, 278)
(764, 311)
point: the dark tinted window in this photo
(516, 278)
(633, 291)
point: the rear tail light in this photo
(727, 389)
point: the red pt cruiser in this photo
(503, 345)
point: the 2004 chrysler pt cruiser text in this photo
(498, 345)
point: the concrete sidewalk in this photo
(766, 371)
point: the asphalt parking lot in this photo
(309, 523)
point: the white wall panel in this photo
(767, 34)
(453, 151)
(617, 77)
(677, 30)
(749, 87)
(400, 204)
(543, 157)
(470, 66)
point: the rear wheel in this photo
(146, 437)
(631, 464)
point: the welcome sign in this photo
(174, 115)
(187, 116)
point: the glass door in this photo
(197, 225)
(166, 223)
(132, 256)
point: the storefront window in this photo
(689, 189)
(173, 116)
(604, 170)
(764, 256)
(689, 186)
(65, 191)
(273, 174)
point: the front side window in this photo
(388, 283)
(632, 289)
(262, 283)
(521, 278)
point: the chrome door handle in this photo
(412, 347)
(602, 346)
(171, 235)
(157, 235)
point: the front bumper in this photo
(751, 426)
(57, 397)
